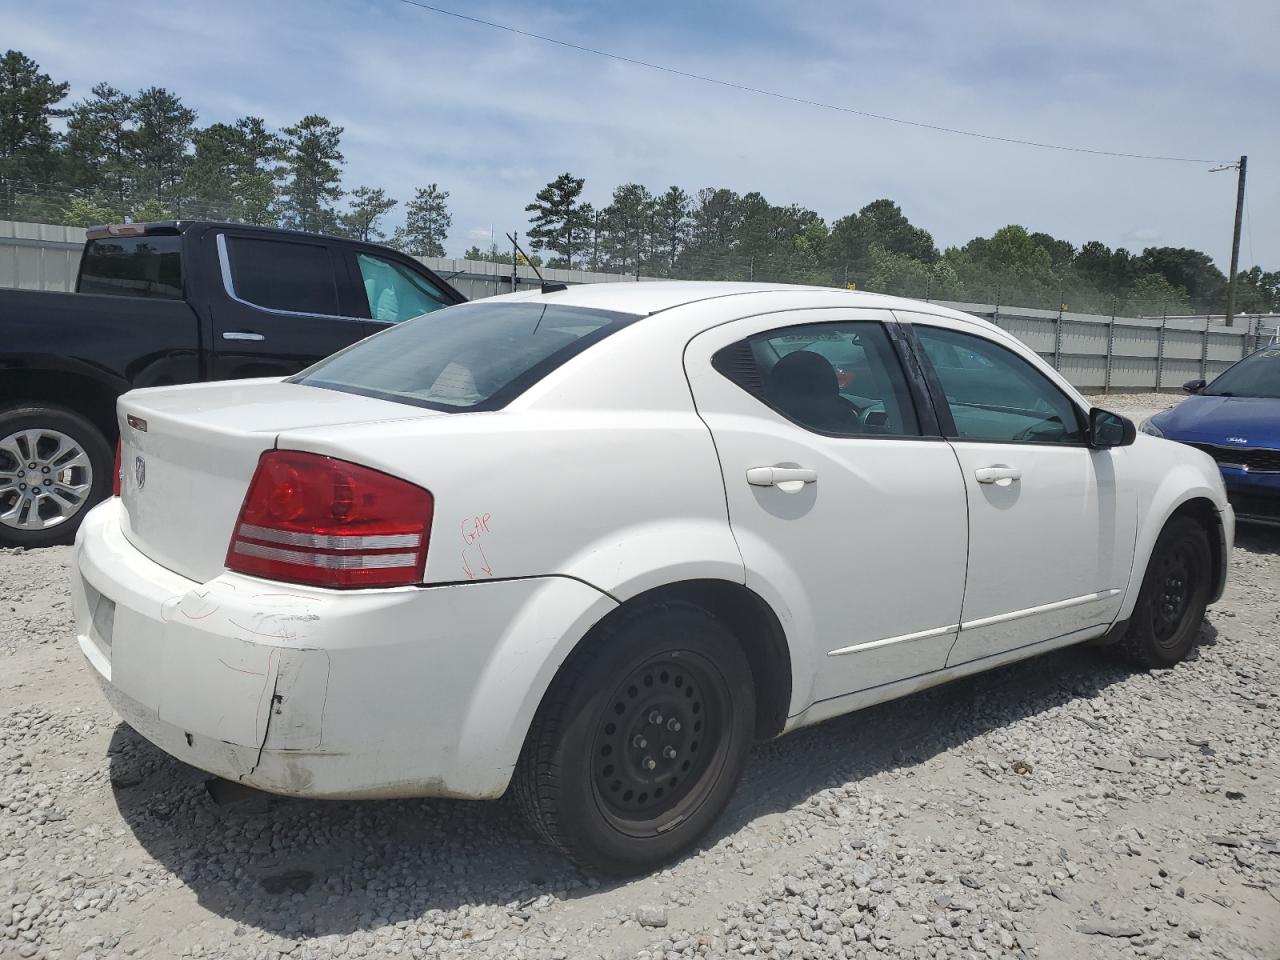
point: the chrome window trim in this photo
(224, 262)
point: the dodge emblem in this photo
(140, 471)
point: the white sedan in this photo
(589, 545)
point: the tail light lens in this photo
(329, 523)
(117, 478)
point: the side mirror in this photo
(1107, 429)
(1194, 386)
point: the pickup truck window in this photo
(148, 266)
(282, 275)
(396, 293)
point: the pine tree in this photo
(160, 142)
(312, 161)
(99, 162)
(368, 206)
(558, 223)
(28, 159)
(426, 224)
(672, 216)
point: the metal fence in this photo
(1096, 353)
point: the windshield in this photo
(1257, 375)
(474, 356)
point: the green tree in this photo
(715, 217)
(82, 212)
(28, 158)
(160, 142)
(1258, 291)
(313, 174)
(1153, 295)
(99, 161)
(426, 223)
(558, 223)
(627, 225)
(1190, 270)
(880, 223)
(368, 205)
(151, 210)
(672, 225)
(234, 172)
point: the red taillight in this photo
(329, 523)
(117, 479)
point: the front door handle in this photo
(1000, 474)
(242, 335)
(777, 476)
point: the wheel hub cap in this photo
(45, 479)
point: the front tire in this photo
(54, 466)
(1175, 592)
(640, 740)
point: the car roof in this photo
(647, 297)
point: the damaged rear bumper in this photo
(308, 692)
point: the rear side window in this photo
(283, 275)
(475, 356)
(394, 291)
(149, 266)
(839, 379)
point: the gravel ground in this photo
(1060, 807)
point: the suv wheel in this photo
(54, 465)
(1175, 591)
(640, 741)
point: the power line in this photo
(788, 97)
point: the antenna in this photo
(546, 287)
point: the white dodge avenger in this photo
(589, 545)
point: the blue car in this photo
(1236, 420)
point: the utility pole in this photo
(1235, 236)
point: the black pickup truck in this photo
(164, 303)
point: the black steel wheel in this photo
(1175, 591)
(640, 740)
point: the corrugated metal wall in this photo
(1095, 353)
(39, 256)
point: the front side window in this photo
(841, 379)
(995, 395)
(1257, 375)
(474, 356)
(283, 275)
(394, 291)
(148, 266)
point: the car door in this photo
(846, 503)
(1050, 530)
(289, 302)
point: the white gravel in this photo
(1060, 807)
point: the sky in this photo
(492, 116)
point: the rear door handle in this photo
(776, 476)
(1000, 474)
(242, 335)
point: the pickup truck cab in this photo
(168, 303)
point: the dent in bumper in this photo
(401, 692)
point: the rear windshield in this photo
(475, 356)
(1257, 375)
(148, 266)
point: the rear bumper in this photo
(306, 692)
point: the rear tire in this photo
(44, 504)
(1166, 620)
(640, 740)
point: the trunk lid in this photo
(187, 455)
